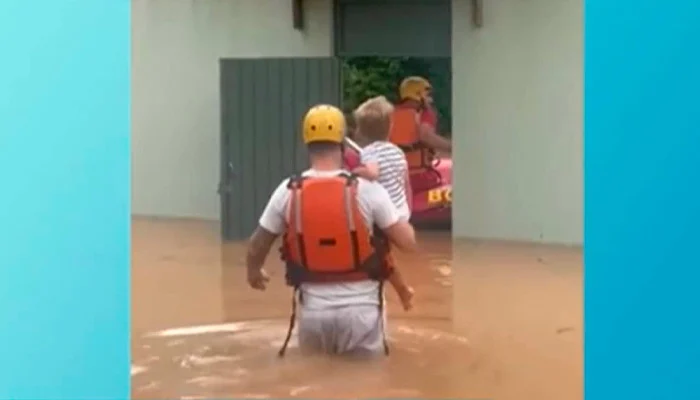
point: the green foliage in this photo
(365, 77)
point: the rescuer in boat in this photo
(330, 221)
(414, 130)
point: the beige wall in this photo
(518, 121)
(175, 93)
(517, 106)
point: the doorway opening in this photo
(365, 77)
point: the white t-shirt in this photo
(376, 208)
(393, 169)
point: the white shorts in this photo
(352, 330)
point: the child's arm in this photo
(369, 165)
(369, 171)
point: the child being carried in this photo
(384, 162)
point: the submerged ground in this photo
(492, 320)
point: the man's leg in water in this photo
(351, 330)
(315, 331)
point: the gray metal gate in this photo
(262, 103)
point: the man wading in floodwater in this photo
(334, 259)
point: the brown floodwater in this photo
(491, 321)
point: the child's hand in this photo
(372, 170)
(369, 171)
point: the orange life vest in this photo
(326, 238)
(405, 125)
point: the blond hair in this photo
(373, 118)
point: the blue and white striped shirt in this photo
(392, 171)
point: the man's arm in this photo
(430, 138)
(271, 225)
(403, 236)
(259, 246)
(386, 217)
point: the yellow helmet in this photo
(414, 88)
(324, 123)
